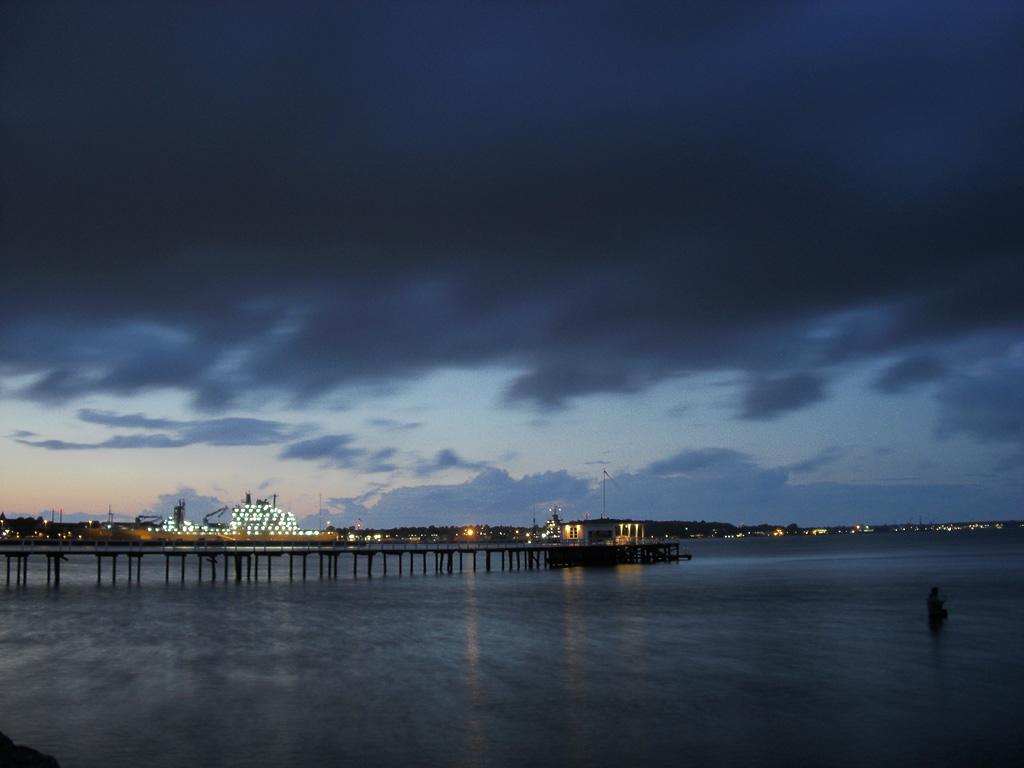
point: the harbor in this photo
(234, 542)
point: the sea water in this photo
(791, 651)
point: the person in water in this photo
(935, 605)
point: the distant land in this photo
(23, 527)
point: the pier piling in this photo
(513, 556)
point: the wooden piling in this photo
(20, 568)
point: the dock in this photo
(242, 560)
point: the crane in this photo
(210, 520)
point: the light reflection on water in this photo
(782, 652)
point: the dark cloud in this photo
(132, 420)
(118, 442)
(824, 458)
(297, 199)
(382, 460)
(771, 397)
(332, 450)
(232, 431)
(396, 426)
(552, 385)
(238, 431)
(694, 461)
(446, 459)
(987, 405)
(342, 452)
(909, 372)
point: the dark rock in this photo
(16, 756)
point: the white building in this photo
(602, 532)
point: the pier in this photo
(242, 560)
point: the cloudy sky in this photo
(450, 263)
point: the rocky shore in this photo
(16, 756)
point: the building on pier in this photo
(602, 532)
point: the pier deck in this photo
(242, 559)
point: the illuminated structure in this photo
(553, 526)
(260, 519)
(602, 532)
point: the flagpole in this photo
(604, 492)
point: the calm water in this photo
(786, 652)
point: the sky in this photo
(455, 263)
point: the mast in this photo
(604, 492)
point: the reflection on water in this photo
(570, 661)
(788, 652)
(474, 690)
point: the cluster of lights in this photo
(261, 519)
(185, 527)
